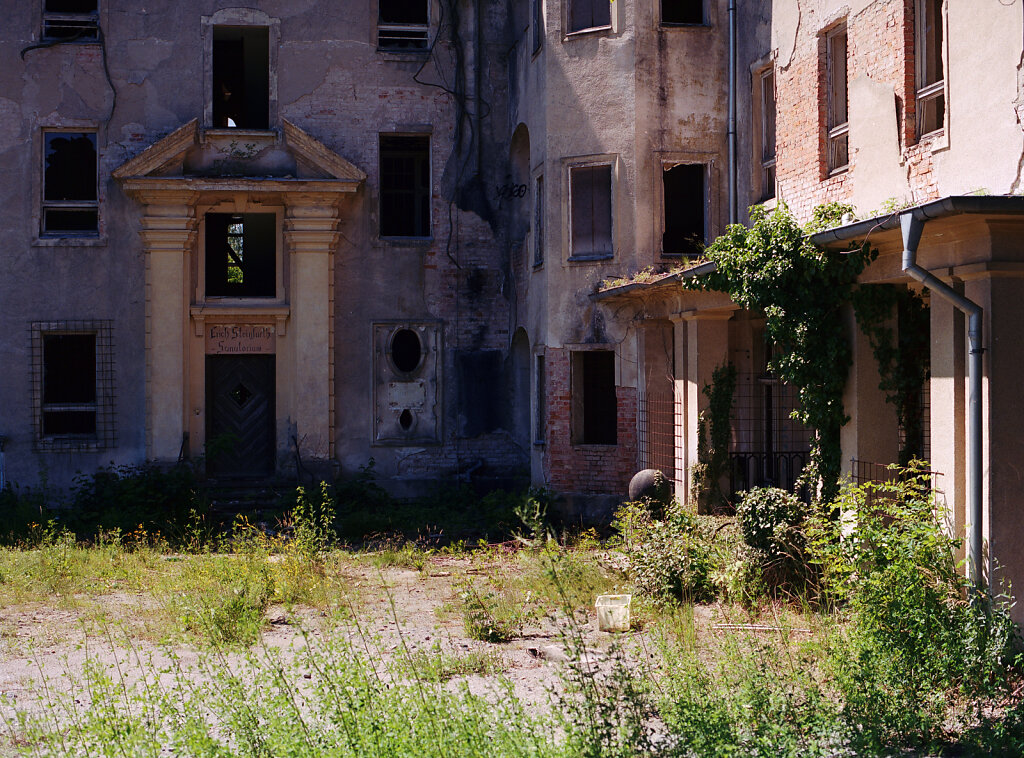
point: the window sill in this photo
(837, 171)
(411, 54)
(587, 32)
(597, 446)
(593, 258)
(70, 445)
(406, 241)
(69, 241)
(669, 26)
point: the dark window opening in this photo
(241, 77)
(594, 407)
(540, 422)
(69, 385)
(404, 186)
(931, 85)
(405, 419)
(70, 20)
(69, 183)
(684, 209)
(682, 11)
(406, 350)
(767, 160)
(538, 24)
(590, 198)
(838, 101)
(589, 14)
(402, 25)
(538, 221)
(241, 255)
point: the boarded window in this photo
(682, 11)
(767, 109)
(70, 20)
(590, 199)
(594, 408)
(931, 85)
(404, 186)
(684, 209)
(241, 77)
(589, 14)
(241, 258)
(402, 25)
(69, 203)
(838, 100)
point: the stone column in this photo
(707, 348)
(168, 237)
(311, 232)
(682, 460)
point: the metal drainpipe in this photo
(733, 209)
(912, 226)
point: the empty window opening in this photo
(405, 419)
(69, 385)
(404, 186)
(590, 199)
(589, 14)
(838, 102)
(684, 209)
(70, 20)
(402, 25)
(767, 103)
(538, 221)
(537, 13)
(241, 77)
(406, 350)
(682, 11)
(69, 183)
(931, 85)
(241, 255)
(594, 408)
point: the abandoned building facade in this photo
(295, 237)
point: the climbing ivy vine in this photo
(773, 267)
(713, 439)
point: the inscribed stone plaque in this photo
(240, 339)
(402, 395)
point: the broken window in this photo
(70, 205)
(72, 378)
(402, 25)
(70, 20)
(594, 408)
(541, 410)
(684, 209)
(767, 158)
(838, 102)
(241, 255)
(931, 85)
(682, 11)
(538, 221)
(589, 14)
(241, 77)
(590, 209)
(404, 186)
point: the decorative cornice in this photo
(316, 153)
(161, 153)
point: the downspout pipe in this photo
(912, 226)
(733, 204)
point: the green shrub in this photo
(668, 560)
(773, 524)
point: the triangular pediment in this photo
(190, 152)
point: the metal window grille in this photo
(105, 434)
(659, 415)
(769, 448)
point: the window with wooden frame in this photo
(590, 212)
(584, 15)
(766, 102)
(70, 20)
(685, 204)
(594, 407)
(70, 205)
(404, 186)
(930, 82)
(403, 24)
(838, 117)
(73, 384)
(682, 12)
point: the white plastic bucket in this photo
(613, 612)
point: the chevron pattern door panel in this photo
(240, 415)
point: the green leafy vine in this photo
(773, 267)
(713, 439)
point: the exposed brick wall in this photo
(588, 469)
(880, 44)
